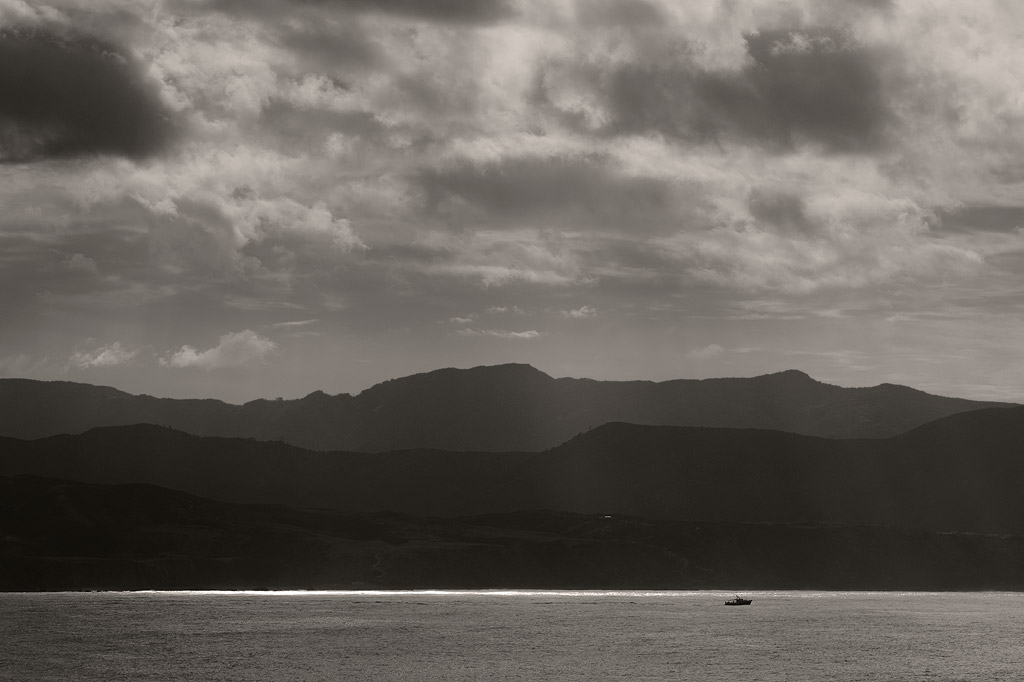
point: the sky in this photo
(260, 198)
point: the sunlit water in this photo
(423, 636)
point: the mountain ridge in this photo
(133, 537)
(487, 408)
(958, 474)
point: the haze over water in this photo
(513, 635)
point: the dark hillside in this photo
(60, 535)
(962, 473)
(499, 408)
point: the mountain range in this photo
(493, 409)
(960, 473)
(503, 476)
(63, 535)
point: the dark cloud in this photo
(448, 11)
(798, 86)
(844, 12)
(532, 187)
(456, 11)
(408, 252)
(816, 84)
(979, 217)
(70, 95)
(781, 211)
(617, 13)
(302, 128)
(329, 46)
(330, 49)
(873, 5)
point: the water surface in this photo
(493, 635)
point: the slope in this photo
(61, 535)
(498, 408)
(961, 473)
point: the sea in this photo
(421, 636)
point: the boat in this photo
(738, 601)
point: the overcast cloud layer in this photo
(255, 198)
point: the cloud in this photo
(110, 355)
(444, 11)
(779, 210)
(550, 189)
(490, 310)
(705, 353)
(70, 95)
(615, 13)
(18, 365)
(284, 221)
(580, 313)
(801, 85)
(235, 349)
(453, 11)
(494, 258)
(500, 333)
(298, 329)
(294, 324)
(847, 239)
(501, 309)
(224, 212)
(81, 263)
(982, 217)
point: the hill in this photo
(960, 473)
(497, 408)
(60, 535)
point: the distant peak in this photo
(789, 375)
(517, 367)
(505, 372)
(58, 384)
(142, 428)
(904, 387)
(506, 369)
